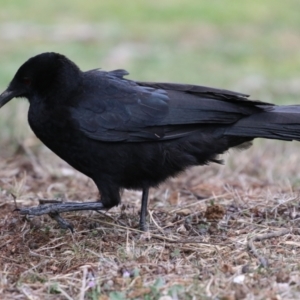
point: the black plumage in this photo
(134, 135)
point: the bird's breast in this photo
(56, 130)
(51, 126)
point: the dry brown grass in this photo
(202, 224)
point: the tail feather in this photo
(275, 122)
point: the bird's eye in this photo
(26, 80)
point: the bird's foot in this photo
(62, 223)
(54, 210)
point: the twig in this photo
(110, 217)
(263, 261)
(197, 202)
(153, 220)
(83, 284)
(284, 202)
(65, 293)
(161, 237)
(13, 260)
(15, 200)
(5, 243)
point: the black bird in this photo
(134, 135)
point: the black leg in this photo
(54, 210)
(60, 207)
(143, 225)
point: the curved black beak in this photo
(7, 96)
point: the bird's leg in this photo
(54, 210)
(143, 213)
(60, 207)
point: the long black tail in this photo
(275, 122)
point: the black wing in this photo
(114, 109)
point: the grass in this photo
(195, 248)
(197, 245)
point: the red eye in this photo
(26, 80)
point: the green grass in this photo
(252, 47)
(221, 12)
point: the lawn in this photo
(216, 232)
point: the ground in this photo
(215, 232)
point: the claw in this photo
(61, 221)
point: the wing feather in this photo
(116, 109)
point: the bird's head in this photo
(41, 75)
